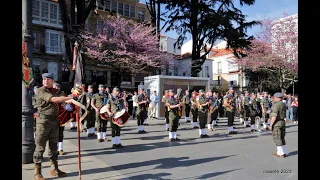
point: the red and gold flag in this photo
(27, 74)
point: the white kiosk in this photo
(160, 83)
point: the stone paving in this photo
(244, 156)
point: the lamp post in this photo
(27, 109)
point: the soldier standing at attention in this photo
(166, 112)
(48, 126)
(265, 109)
(173, 116)
(98, 101)
(202, 114)
(115, 104)
(278, 125)
(186, 102)
(91, 113)
(229, 106)
(141, 111)
(194, 110)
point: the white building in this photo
(225, 73)
(167, 45)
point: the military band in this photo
(115, 103)
(187, 105)
(141, 110)
(51, 103)
(173, 105)
(194, 110)
(98, 101)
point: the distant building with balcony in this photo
(49, 49)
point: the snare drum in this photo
(103, 113)
(121, 118)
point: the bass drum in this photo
(103, 113)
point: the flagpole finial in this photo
(76, 44)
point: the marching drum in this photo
(103, 113)
(121, 118)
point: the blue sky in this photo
(262, 8)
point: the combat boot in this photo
(37, 172)
(55, 171)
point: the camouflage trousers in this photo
(173, 121)
(101, 124)
(47, 129)
(278, 134)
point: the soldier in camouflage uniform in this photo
(98, 101)
(47, 128)
(141, 110)
(229, 106)
(202, 113)
(166, 112)
(115, 104)
(253, 111)
(186, 102)
(213, 111)
(194, 110)
(173, 116)
(245, 107)
(265, 109)
(278, 125)
(36, 114)
(91, 113)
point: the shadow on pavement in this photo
(165, 163)
(292, 153)
(148, 137)
(151, 176)
(151, 146)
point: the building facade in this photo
(167, 45)
(49, 49)
(225, 73)
(100, 73)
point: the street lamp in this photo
(28, 145)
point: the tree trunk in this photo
(158, 19)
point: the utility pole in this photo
(28, 145)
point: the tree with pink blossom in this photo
(275, 48)
(125, 46)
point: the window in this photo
(207, 71)
(36, 42)
(175, 71)
(54, 42)
(161, 46)
(141, 15)
(107, 4)
(126, 10)
(132, 11)
(120, 8)
(219, 67)
(100, 5)
(36, 10)
(114, 7)
(46, 13)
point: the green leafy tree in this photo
(208, 21)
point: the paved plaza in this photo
(244, 156)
